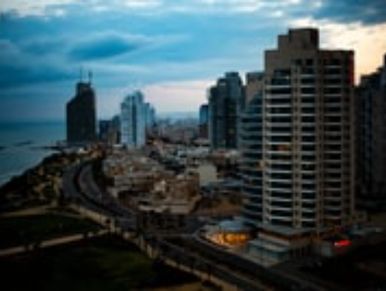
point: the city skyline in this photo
(276, 183)
(170, 51)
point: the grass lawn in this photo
(105, 263)
(16, 231)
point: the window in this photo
(307, 90)
(332, 71)
(308, 110)
(279, 91)
(308, 147)
(307, 81)
(308, 138)
(308, 118)
(309, 62)
(332, 90)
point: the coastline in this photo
(24, 145)
(7, 178)
(35, 186)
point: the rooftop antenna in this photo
(81, 74)
(89, 77)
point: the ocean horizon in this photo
(22, 142)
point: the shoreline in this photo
(35, 186)
(17, 174)
(31, 169)
(25, 144)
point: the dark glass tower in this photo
(226, 103)
(81, 116)
(203, 121)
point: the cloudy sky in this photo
(171, 49)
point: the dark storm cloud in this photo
(18, 67)
(105, 46)
(365, 11)
(43, 46)
(44, 43)
(17, 75)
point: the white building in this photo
(133, 120)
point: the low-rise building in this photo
(131, 172)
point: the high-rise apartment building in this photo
(371, 137)
(226, 102)
(307, 160)
(251, 137)
(133, 120)
(81, 115)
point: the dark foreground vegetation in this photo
(106, 263)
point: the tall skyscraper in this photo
(307, 146)
(81, 115)
(251, 137)
(371, 137)
(203, 122)
(226, 102)
(133, 120)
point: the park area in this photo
(105, 263)
(35, 228)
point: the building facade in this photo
(149, 116)
(251, 161)
(133, 120)
(254, 84)
(226, 102)
(307, 146)
(109, 131)
(203, 121)
(81, 115)
(103, 130)
(371, 137)
(114, 135)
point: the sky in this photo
(172, 50)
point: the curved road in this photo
(78, 184)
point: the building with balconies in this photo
(300, 181)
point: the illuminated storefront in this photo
(230, 233)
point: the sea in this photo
(21, 145)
